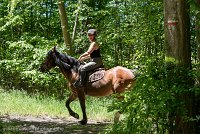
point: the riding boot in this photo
(81, 81)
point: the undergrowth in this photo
(15, 102)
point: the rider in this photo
(93, 53)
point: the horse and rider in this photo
(115, 80)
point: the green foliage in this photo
(19, 67)
(156, 95)
(128, 31)
(131, 33)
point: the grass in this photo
(17, 102)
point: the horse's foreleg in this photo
(71, 98)
(81, 96)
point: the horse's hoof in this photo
(75, 115)
(83, 122)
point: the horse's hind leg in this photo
(71, 98)
(117, 116)
(118, 113)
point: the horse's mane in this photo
(66, 61)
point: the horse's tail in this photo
(136, 72)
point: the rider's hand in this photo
(80, 59)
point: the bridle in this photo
(58, 61)
(46, 62)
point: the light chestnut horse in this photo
(115, 80)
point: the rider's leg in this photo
(95, 63)
(82, 74)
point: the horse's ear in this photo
(54, 49)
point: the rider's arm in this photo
(86, 55)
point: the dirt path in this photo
(47, 125)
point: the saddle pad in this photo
(95, 76)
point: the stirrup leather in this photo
(78, 84)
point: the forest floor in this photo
(48, 125)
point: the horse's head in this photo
(49, 61)
(54, 58)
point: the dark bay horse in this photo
(116, 80)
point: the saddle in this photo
(95, 75)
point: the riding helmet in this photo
(92, 31)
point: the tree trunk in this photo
(198, 69)
(197, 2)
(177, 37)
(198, 61)
(65, 26)
(177, 31)
(75, 28)
(75, 23)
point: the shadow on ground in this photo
(46, 125)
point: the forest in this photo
(158, 38)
